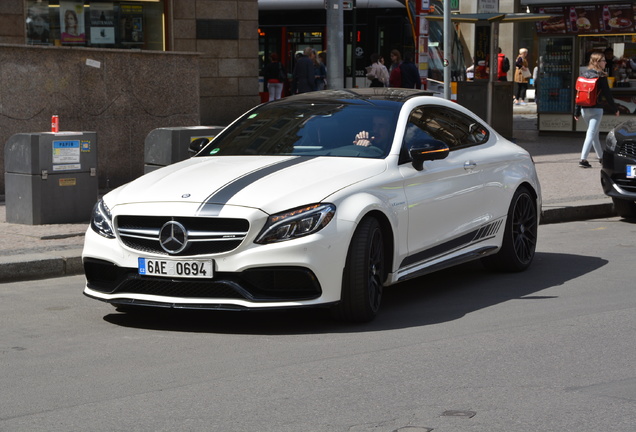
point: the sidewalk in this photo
(569, 193)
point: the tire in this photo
(624, 208)
(364, 274)
(520, 235)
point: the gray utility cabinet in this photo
(165, 146)
(50, 178)
(474, 96)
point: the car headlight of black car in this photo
(610, 141)
(102, 220)
(296, 223)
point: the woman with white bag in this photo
(522, 76)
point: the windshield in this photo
(309, 129)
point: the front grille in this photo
(205, 235)
(258, 285)
(626, 149)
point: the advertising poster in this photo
(584, 19)
(72, 22)
(556, 24)
(617, 18)
(102, 23)
(38, 26)
(589, 19)
(132, 31)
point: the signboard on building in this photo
(487, 6)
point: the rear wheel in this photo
(520, 236)
(625, 209)
(363, 274)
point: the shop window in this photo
(97, 24)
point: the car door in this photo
(445, 198)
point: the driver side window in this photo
(455, 129)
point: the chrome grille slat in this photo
(627, 148)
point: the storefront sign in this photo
(587, 19)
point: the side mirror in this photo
(197, 144)
(427, 150)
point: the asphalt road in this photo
(551, 349)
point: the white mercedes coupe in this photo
(319, 199)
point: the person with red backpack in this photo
(593, 114)
(503, 66)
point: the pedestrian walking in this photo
(377, 72)
(320, 73)
(304, 79)
(503, 66)
(275, 76)
(522, 76)
(410, 74)
(395, 75)
(593, 114)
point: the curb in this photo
(41, 265)
(573, 212)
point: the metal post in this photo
(448, 52)
(494, 63)
(354, 41)
(335, 36)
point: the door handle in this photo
(470, 165)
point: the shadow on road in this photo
(440, 297)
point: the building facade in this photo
(124, 68)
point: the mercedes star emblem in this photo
(173, 237)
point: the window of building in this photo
(96, 23)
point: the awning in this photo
(492, 17)
(320, 4)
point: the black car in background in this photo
(618, 175)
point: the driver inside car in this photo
(380, 135)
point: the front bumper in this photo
(617, 185)
(301, 272)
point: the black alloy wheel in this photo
(520, 236)
(364, 274)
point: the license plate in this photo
(201, 269)
(631, 171)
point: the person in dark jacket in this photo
(593, 115)
(304, 79)
(410, 74)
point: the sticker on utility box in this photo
(85, 146)
(67, 167)
(66, 152)
(68, 182)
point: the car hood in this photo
(269, 183)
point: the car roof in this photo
(399, 95)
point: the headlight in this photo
(296, 223)
(102, 221)
(610, 141)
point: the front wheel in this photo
(624, 208)
(520, 236)
(363, 274)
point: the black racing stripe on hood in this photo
(222, 195)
